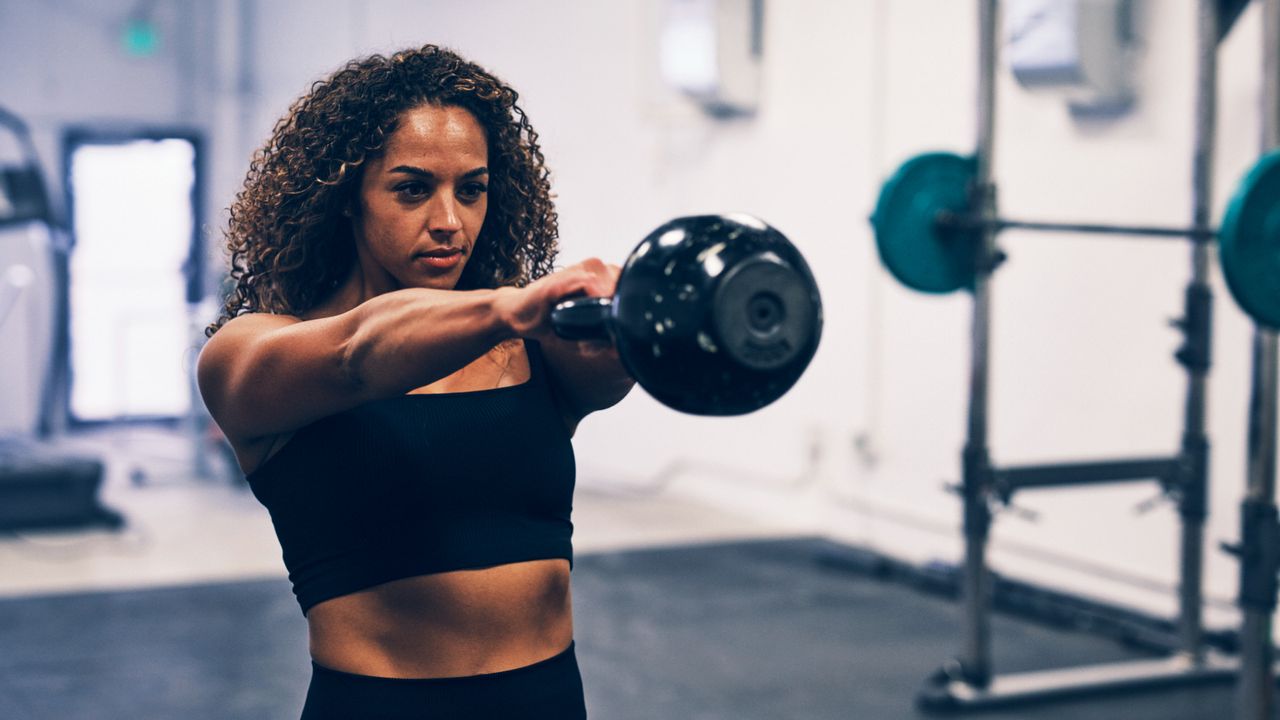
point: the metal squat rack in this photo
(969, 682)
(1259, 548)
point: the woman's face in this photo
(423, 201)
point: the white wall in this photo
(1082, 356)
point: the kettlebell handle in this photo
(583, 318)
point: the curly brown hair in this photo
(288, 240)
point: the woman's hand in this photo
(588, 375)
(527, 310)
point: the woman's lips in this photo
(440, 259)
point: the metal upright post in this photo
(1259, 539)
(1260, 532)
(1195, 355)
(976, 660)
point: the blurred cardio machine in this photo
(41, 484)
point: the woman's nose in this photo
(443, 215)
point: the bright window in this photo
(133, 223)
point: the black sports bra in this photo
(420, 484)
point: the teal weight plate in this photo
(911, 246)
(1249, 242)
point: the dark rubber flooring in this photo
(736, 631)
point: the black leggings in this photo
(548, 689)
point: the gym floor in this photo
(682, 611)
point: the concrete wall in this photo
(863, 445)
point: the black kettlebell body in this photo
(716, 315)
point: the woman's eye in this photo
(473, 190)
(412, 190)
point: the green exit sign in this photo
(140, 38)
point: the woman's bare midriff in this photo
(450, 624)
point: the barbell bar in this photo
(948, 220)
(928, 235)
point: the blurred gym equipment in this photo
(1259, 548)
(928, 234)
(41, 486)
(936, 225)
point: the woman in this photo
(385, 371)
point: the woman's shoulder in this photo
(250, 321)
(248, 325)
(239, 333)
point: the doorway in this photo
(133, 274)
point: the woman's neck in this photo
(356, 288)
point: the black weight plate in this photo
(911, 246)
(1249, 242)
(765, 314)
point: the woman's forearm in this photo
(409, 338)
